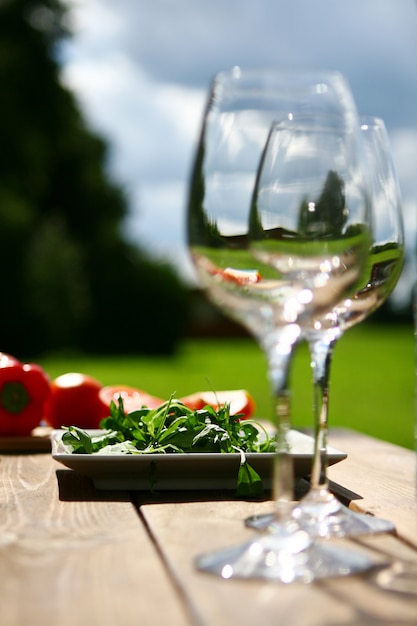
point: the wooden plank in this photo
(185, 530)
(71, 555)
(38, 441)
(383, 474)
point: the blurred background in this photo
(99, 115)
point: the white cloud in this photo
(95, 25)
(150, 124)
(153, 129)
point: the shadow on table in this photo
(74, 487)
(77, 487)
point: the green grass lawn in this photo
(372, 383)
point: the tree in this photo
(69, 279)
(327, 216)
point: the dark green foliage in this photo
(320, 221)
(68, 277)
(202, 230)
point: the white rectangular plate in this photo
(198, 471)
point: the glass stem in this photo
(278, 349)
(321, 349)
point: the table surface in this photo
(74, 555)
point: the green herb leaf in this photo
(78, 439)
(249, 483)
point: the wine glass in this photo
(320, 512)
(243, 274)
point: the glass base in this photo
(399, 577)
(321, 514)
(287, 555)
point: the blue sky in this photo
(141, 70)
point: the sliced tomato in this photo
(240, 401)
(74, 401)
(241, 277)
(133, 398)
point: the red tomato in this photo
(74, 401)
(239, 399)
(132, 398)
(24, 388)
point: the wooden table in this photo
(71, 555)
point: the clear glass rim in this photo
(280, 83)
(278, 75)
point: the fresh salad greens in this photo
(174, 428)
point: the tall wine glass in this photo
(246, 281)
(320, 512)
